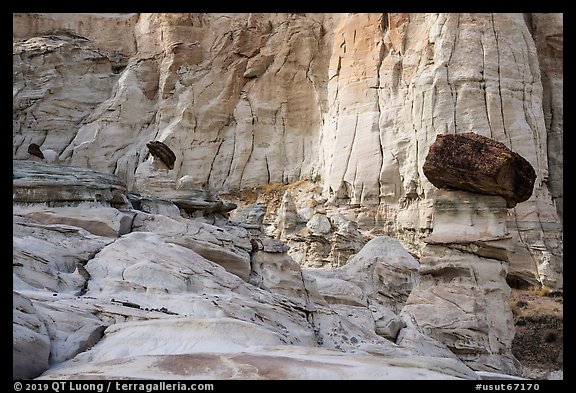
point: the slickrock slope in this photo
(201, 297)
(349, 101)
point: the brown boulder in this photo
(471, 162)
(162, 152)
(34, 150)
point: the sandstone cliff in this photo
(349, 101)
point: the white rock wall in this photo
(350, 100)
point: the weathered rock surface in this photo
(461, 298)
(48, 265)
(153, 205)
(101, 221)
(462, 217)
(547, 30)
(194, 201)
(59, 79)
(226, 245)
(267, 363)
(318, 235)
(175, 289)
(111, 31)
(383, 273)
(38, 182)
(353, 101)
(47, 256)
(250, 217)
(278, 272)
(69, 336)
(31, 343)
(148, 291)
(462, 302)
(471, 162)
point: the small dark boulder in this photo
(34, 150)
(162, 152)
(474, 163)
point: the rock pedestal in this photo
(461, 299)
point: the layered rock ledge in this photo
(170, 292)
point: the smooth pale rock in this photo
(36, 182)
(352, 101)
(319, 224)
(69, 336)
(148, 290)
(384, 270)
(232, 262)
(156, 337)
(336, 290)
(162, 276)
(250, 217)
(46, 256)
(153, 205)
(145, 289)
(279, 273)
(148, 266)
(101, 221)
(268, 363)
(51, 157)
(229, 246)
(461, 301)
(30, 342)
(475, 163)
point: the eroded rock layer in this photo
(350, 101)
(160, 294)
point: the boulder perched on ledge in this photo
(471, 162)
(162, 152)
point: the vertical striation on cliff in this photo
(350, 101)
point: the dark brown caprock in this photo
(162, 152)
(471, 162)
(34, 150)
